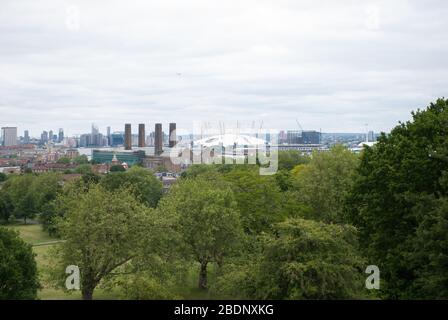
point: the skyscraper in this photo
(61, 135)
(158, 139)
(127, 136)
(44, 137)
(9, 136)
(172, 137)
(141, 135)
(109, 138)
(50, 135)
(26, 137)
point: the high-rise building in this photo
(371, 136)
(117, 139)
(294, 137)
(50, 135)
(172, 137)
(127, 136)
(158, 139)
(26, 137)
(310, 137)
(141, 135)
(44, 137)
(9, 136)
(61, 135)
(109, 138)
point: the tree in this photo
(29, 193)
(291, 158)
(146, 187)
(6, 206)
(82, 159)
(398, 202)
(3, 177)
(117, 168)
(18, 270)
(258, 197)
(207, 221)
(303, 259)
(84, 169)
(102, 231)
(64, 160)
(324, 183)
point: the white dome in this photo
(230, 140)
(368, 144)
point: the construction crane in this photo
(298, 124)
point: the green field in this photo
(42, 242)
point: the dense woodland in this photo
(307, 232)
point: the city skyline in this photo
(334, 67)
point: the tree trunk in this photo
(24, 218)
(87, 294)
(203, 276)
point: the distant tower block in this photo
(127, 137)
(141, 135)
(158, 140)
(173, 140)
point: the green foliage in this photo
(146, 187)
(82, 159)
(324, 183)
(303, 260)
(102, 231)
(287, 160)
(258, 198)
(18, 271)
(64, 160)
(3, 177)
(29, 194)
(84, 169)
(207, 221)
(284, 180)
(117, 168)
(429, 257)
(6, 206)
(399, 204)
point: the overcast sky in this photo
(334, 65)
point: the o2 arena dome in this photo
(226, 140)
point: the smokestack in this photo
(141, 135)
(127, 137)
(172, 137)
(158, 140)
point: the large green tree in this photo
(302, 259)
(102, 231)
(29, 194)
(208, 222)
(146, 187)
(258, 197)
(18, 270)
(324, 183)
(399, 204)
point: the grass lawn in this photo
(32, 233)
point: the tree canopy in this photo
(398, 203)
(18, 270)
(102, 231)
(207, 221)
